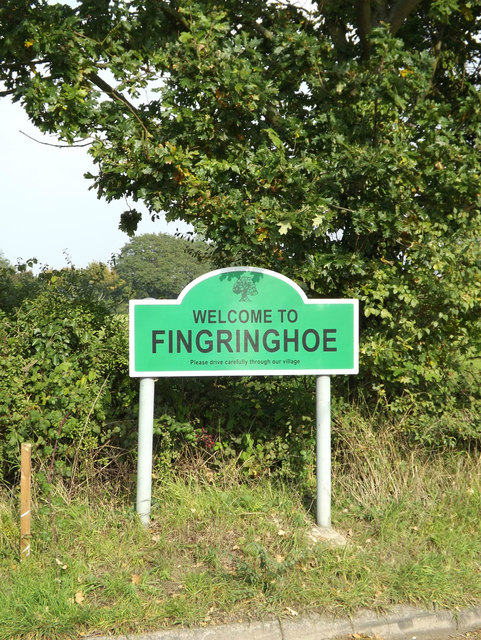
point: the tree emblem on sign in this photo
(245, 287)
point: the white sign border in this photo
(241, 372)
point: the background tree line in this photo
(147, 266)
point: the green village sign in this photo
(242, 321)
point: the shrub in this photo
(64, 384)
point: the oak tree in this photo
(338, 145)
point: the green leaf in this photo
(284, 227)
(274, 138)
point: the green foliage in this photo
(335, 146)
(64, 386)
(3, 261)
(159, 265)
(15, 286)
(63, 382)
(265, 425)
(104, 284)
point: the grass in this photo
(223, 548)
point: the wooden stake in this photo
(25, 481)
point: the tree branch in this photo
(337, 34)
(116, 95)
(399, 12)
(367, 17)
(51, 144)
(364, 25)
(174, 14)
(336, 31)
(268, 35)
(110, 91)
(437, 55)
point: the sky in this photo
(46, 208)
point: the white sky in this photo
(46, 207)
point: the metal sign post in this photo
(323, 451)
(146, 437)
(25, 488)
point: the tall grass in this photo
(225, 548)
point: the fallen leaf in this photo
(135, 578)
(79, 597)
